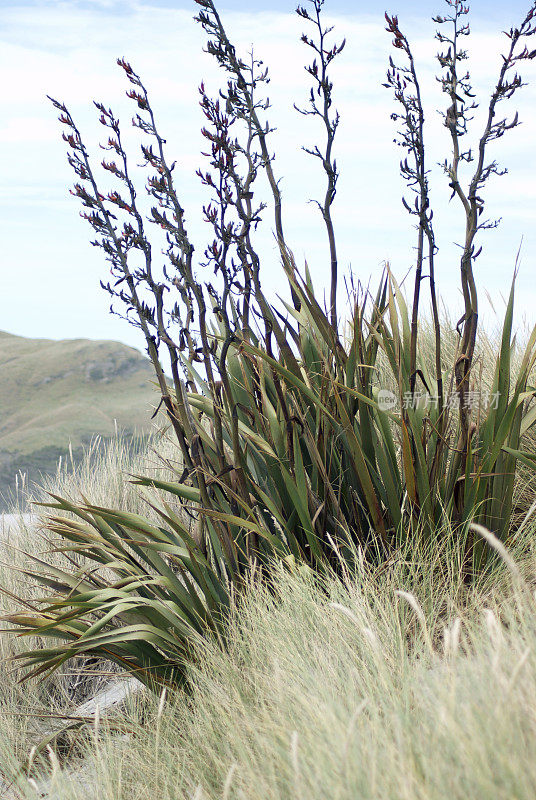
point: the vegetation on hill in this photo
(55, 396)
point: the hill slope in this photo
(56, 392)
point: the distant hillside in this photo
(56, 392)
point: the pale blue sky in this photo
(400, 7)
(50, 274)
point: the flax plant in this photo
(288, 450)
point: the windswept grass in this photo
(394, 685)
(102, 477)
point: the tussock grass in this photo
(102, 477)
(337, 689)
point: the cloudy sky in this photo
(67, 48)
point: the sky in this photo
(49, 273)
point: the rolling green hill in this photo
(53, 393)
